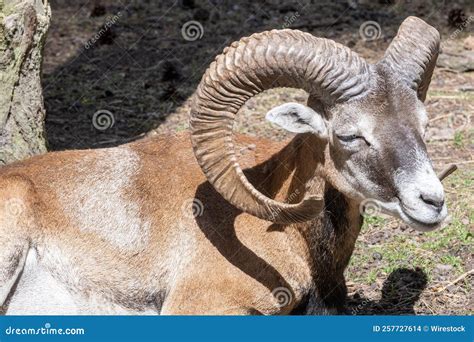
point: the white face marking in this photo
(413, 185)
(367, 126)
(97, 199)
(422, 117)
(419, 182)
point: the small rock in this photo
(461, 62)
(466, 88)
(444, 268)
(440, 134)
(377, 256)
(451, 289)
(468, 43)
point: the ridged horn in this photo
(413, 53)
(277, 58)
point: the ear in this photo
(298, 118)
(412, 54)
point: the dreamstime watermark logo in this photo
(370, 30)
(192, 208)
(283, 295)
(461, 28)
(14, 207)
(356, 310)
(46, 330)
(290, 20)
(192, 30)
(108, 24)
(103, 120)
(277, 211)
(461, 121)
(369, 207)
(15, 211)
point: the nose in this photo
(434, 199)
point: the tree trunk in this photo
(23, 26)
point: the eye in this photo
(349, 138)
(352, 138)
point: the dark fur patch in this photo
(329, 284)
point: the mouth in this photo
(397, 210)
(415, 214)
(420, 225)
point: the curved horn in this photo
(413, 54)
(278, 58)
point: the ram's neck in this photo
(329, 238)
(334, 235)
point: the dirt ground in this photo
(131, 61)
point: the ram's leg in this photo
(192, 308)
(189, 299)
(15, 223)
(12, 259)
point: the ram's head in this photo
(370, 117)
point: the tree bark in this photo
(23, 27)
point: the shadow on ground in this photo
(400, 292)
(137, 64)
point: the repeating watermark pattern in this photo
(369, 207)
(192, 30)
(283, 295)
(15, 212)
(356, 310)
(461, 28)
(103, 120)
(290, 20)
(108, 24)
(192, 208)
(14, 207)
(290, 198)
(370, 31)
(462, 121)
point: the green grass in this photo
(459, 139)
(370, 220)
